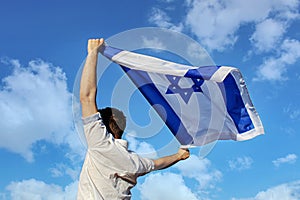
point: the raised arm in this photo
(88, 83)
(168, 161)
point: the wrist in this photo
(178, 157)
(93, 53)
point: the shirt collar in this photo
(122, 142)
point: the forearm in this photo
(88, 84)
(168, 161)
(165, 162)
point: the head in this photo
(114, 120)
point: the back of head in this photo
(114, 120)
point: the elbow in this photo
(89, 96)
(84, 100)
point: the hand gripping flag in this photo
(198, 104)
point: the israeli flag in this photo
(198, 104)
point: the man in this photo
(110, 170)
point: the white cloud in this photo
(35, 105)
(61, 169)
(159, 186)
(274, 68)
(286, 9)
(216, 22)
(167, 1)
(142, 148)
(153, 43)
(195, 51)
(289, 159)
(34, 190)
(161, 19)
(292, 111)
(240, 163)
(267, 34)
(200, 170)
(212, 23)
(287, 191)
(295, 114)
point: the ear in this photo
(112, 129)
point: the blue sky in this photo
(43, 44)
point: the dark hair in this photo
(114, 120)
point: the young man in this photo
(110, 170)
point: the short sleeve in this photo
(145, 165)
(148, 164)
(94, 130)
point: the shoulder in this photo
(94, 129)
(91, 118)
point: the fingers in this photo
(184, 153)
(186, 149)
(95, 44)
(187, 154)
(96, 41)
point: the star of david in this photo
(186, 92)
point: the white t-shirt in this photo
(109, 170)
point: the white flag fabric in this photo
(198, 104)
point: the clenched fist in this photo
(94, 45)
(183, 154)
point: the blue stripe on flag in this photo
(204, 72)
(109, 52)
(235, 106)
(144, 83)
